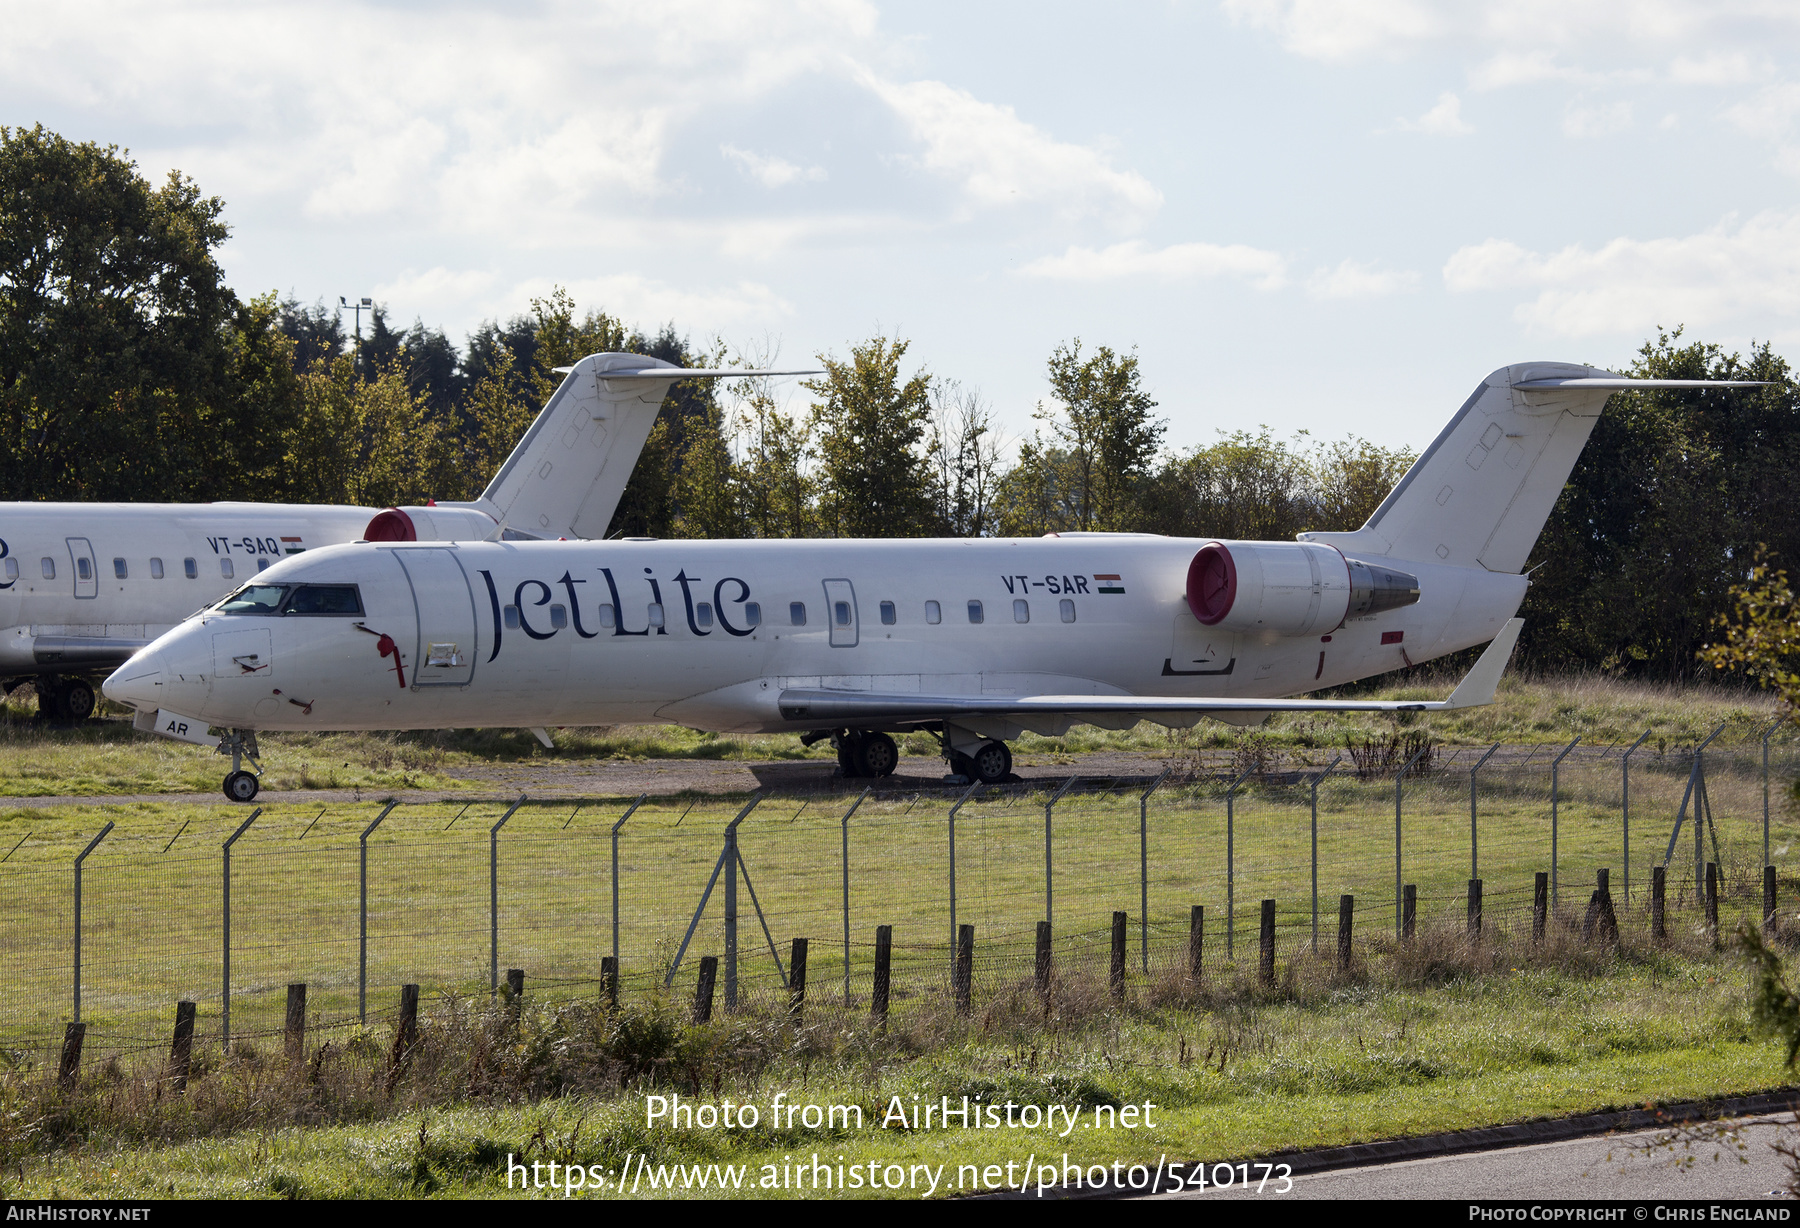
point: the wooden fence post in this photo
(294, 1041)
(1409, 911)
(406, 1035)
(609, 980)
(1659, 880)
(1540, 906)
(1346, 917)
(1712, 900)
(1196, 940)
(797, 979)
(884, 962)
(1266, 962)
(70, 1066)
(1116, 973)
(1045, 960)
(515, 985)
(703, 988)
(181, 1048)
(1769, 900)
(964, 968)
(1475, 908)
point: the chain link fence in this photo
(355, 900)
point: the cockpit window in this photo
(255, 599)
(325, 599)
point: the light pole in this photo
(357, 308)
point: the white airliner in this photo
(85, 585)
(973, 640)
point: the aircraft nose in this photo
(138, 682)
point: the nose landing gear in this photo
(240, 744)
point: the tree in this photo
(116, 327)
(774, 481)
(360, 442)
(1762, 635)
(869, 431)
(1106, 432)
(965, 447)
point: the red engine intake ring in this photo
(1211, 584)
(393, 525)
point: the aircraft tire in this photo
(77, 700)
(846, 754)
(241, 787)
(992, 762)
(875, 755)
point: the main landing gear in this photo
(866, 753)
(240, 744)
(64, 699)
(990, 763)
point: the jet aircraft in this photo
(974, 641)
(85, 585)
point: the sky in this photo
(1314, 215)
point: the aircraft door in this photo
(840, 613)
(445, 653)
(81, 565)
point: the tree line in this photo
(130, 370)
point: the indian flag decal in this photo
(1110, 584)
(291, 545)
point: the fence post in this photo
(1115, 973)
(1346, 918)
(703, 988)
(797, 979)
(70, 1065)
(1144, 869)
(1625, 806)
(1555, 780)
(629, 811)
(79, 858)
(1049, 913)
(846, 854)
(1474, 842)
(1230, 863)
(728, 858)
(965, 968)
(294, 1034)
(967, 794)
(1475, 908)
(1196, 940)
(494, 898)
(884, 963)
(1399, 781)
(1712, 900)
(1317, 780)
(362, 942)
(1265, 966)
(1540, 905)
(406, 1035)
(1659, 877)
(181, 1047)
(1044, 964)
(1409, 912)
(609, 980)
(225, 995)
(515, 986)
(1767, 734)
(1769, 900)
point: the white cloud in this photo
(999, 160)
(1353, 279)
(1730, 273)
(1343, 29)
(1444, 119)
(770, 171)
(1180, 262)
(1580, 122)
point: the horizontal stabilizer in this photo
(1622, 384)
(822, 708)
(680, 373)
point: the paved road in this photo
(1611, 1167)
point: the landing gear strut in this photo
(865, 753)
(64, 699)
(240, 744)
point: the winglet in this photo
(1480, 683)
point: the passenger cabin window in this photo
(226, 569)
(49, 565)
(752, 614)
(975, 611)
(934, 613)
(262, 565)
(1068, 610)
(608, 616)
(191, 568)
(559, 617)
(841, 612)
(797, 613)
(84, 569)
(156, 569)
(511, 617)
(703, 614)
(656, 614)
(887, 613)
(1021, 610)
(120, 571)
(12, 569)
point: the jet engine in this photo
(435, 523)
(1289, 588)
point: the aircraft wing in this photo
(823, 706)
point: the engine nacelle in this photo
(1289, 588)
(430, 524)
